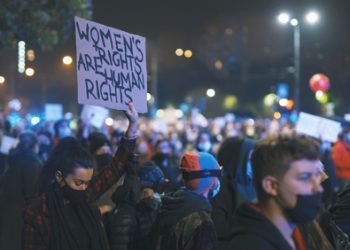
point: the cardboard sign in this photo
(318, 127)
(94, 115)
(53, 112)
(7, 143)
(111, 66)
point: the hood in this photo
(234, 153)
(248, 220)
(178, 205)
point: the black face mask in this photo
(306, 209)
(72, 195)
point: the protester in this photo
(341, 158)
(287, 175)
(236, 184)
(184, 220)
(129, 224)
(166, 159)
(19, 186)
(62, 217)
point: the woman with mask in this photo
(62, 217)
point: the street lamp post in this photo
(296, 66)
(311, 17)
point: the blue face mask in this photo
(214, 191)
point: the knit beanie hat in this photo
(200, 171)
(151, 176)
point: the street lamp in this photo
(311, 18)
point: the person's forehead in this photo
(305, 165)
(82, 173)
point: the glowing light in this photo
(294, 22)
(210, 93)
(277, 115)
(290, 104)
(67, 60)
(21, 57)
(188, 53)
(109, 121)
(35, 120)
(218, 65)
(179, 114)
(179, 52)
(30, 55)
(312, 17)
(283, 18)
(149, 97)
(321, 97)
(2, 80)
(270, 99)
(15, 104)
(30, 71)
(160, 113)
(283, 102)
(230, 102)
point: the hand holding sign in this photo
(133, 118)
(111, 66)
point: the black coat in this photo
(19, 186)
(252, 230)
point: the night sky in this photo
(255, 50)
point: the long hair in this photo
(65, 157)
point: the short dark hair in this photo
(274, 154)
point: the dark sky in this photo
(256, 55)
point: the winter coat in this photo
(252, 230)
(129, 225)
(341, 158)
(236, 184)
(19, 186)
(184, 223)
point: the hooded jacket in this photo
(252, 230)
(236, 185)
(184, 223)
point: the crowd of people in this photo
(226, 184)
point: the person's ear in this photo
(58, 177)
(270, 185)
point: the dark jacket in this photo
(236, 185)
(128, 226)
(19, 186)
(36, 231)
(252, 230)
(184, 223)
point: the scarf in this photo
(74, 226)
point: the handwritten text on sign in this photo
(111, 66)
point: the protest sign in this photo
(7, 143)
(111, 66)
(318, 127)
(94, 115)
(53, 112)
